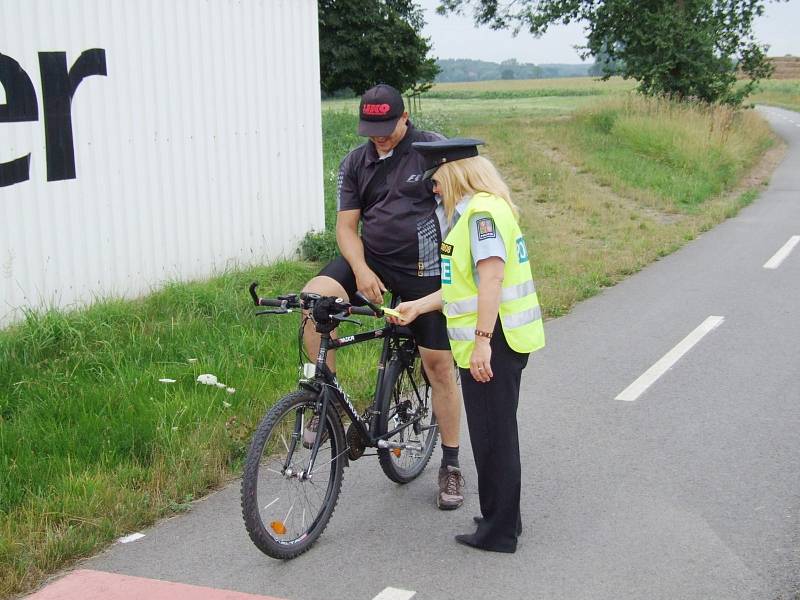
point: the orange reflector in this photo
(396, 452)
(278, 527)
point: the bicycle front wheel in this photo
(408, 411)
(286, 508)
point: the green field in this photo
(93, 446)
(781, 92)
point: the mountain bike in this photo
(295, 465)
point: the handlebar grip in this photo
(364, 310)
(269, 302)
(376, 310)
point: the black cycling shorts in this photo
(430, 329)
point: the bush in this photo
(319, 246)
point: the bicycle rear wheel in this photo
(284, 511)
(409, 397)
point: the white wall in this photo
(199, 149)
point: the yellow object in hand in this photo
(392, 312)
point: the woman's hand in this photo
(480, 361)
(413, 308)
(408, 312)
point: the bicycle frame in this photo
(325, 384)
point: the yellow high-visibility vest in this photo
(520, 313)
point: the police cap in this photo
(444, 151)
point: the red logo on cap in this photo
(376, 109)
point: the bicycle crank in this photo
(384, 445)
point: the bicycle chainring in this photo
(355, 443)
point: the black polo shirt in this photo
(399, 227)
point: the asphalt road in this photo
(690, 491)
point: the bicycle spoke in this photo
(318, 467)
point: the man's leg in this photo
(447, 408)
(324, 286)
(444, 391)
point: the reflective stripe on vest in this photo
(468, 305)
(466, 334)
(522, 318)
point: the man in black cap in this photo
(381, 186)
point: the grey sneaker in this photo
(451, 488)
(310, 433)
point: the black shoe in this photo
(468, 539)
(479, 520)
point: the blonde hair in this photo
(467, 177)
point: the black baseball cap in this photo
(443, 151)
(379, 111)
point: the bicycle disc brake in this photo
(355, 443)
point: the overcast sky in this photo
(456, 37)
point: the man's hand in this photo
(369, 284)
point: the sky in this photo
(456, 37)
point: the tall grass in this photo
(683, 153)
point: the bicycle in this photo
(293, 472)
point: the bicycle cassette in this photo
(355, 443)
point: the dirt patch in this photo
(760, 174)
(648, 212)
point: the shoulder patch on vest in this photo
(485, 228)
(446, 249)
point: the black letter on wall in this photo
(58, 88)
(20, 106)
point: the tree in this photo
(604, 66)
(365, 43)
(680, 48)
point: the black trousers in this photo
(492, 420)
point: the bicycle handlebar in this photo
(307, 301)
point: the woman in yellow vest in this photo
(493, 321)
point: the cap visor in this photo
(376, 128)
(429, 173)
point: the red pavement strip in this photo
(97, 585)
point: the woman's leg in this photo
(492, 420)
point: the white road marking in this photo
(780, 255)
(649, 377)
(391, 593)
(131, 538)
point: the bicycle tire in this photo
(408, 392)
(265, 483)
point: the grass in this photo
(93, 446)
(780, 92)
(682, 154)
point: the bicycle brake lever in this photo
(341, 318)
